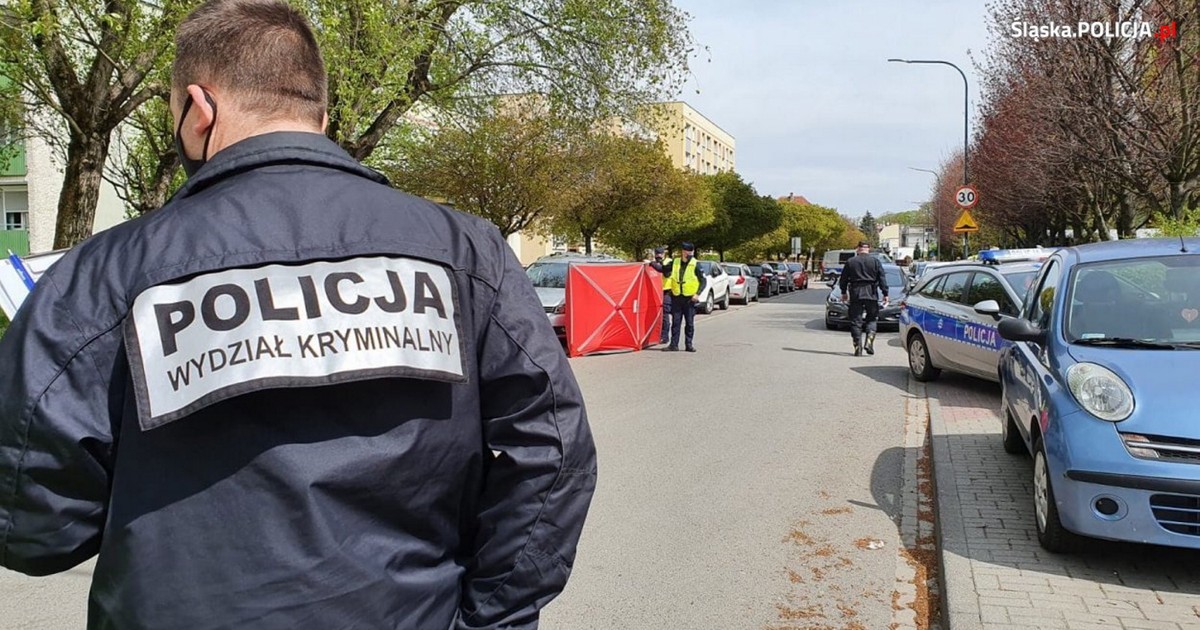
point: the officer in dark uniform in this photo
(657, 265)
(686, 282)
(863, 279)
(293, 397)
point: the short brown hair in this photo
(262, 50)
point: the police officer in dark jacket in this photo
(658, 265)
(686, 282)
(863, 280)
(293, 397)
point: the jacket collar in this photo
(280, 147)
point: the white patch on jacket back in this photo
(230, 332)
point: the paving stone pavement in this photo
(995, 574)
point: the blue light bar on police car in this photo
(997, 256)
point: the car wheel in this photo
(1050, 532)
(918, 359)
(725, 302)
(708, 305)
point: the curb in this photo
(960, 602)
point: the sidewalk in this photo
(995, 574)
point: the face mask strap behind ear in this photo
(208, 136)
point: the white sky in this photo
(806, 91)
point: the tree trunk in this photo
(1177, 200)
(587, 242)
(77, 203)
(1125, 218)
(721, 253)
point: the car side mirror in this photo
(1019, 329)
(991, 308)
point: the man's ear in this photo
(204, 115)
(324, 121)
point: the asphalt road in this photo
(742, 486)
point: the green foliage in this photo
(507, 166)
(589, 58)
(740, 215)
(614, 180)
(82, 68)
(1188, 225)
(870, 228)
(908, 217)
(3, 325)
(681, 204)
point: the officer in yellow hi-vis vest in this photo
(660, 260)
(686, 282)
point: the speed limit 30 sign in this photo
(966, 197)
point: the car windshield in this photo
(1021, 281)
(733, 270)
(793, 267)
(895, 279)
(1144, 299)
(548, 275)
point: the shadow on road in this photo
(823, 352)
(893, 375)
(885, 483)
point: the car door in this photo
(980, 336)
(1028, 362)
(720, 279)
(944, 321)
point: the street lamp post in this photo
(966, 119)
(937, 217)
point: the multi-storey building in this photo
(30, 183)
(693, 141)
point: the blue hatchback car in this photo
(1102, 385)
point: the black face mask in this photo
(191, 165)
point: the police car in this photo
(939, 323)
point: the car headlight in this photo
(560, 309)
(1101, 392)
(834, 298)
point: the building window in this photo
(14, 202)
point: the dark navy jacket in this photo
(293, 398)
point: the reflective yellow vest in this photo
(691, 284)
(666, 278)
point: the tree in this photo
(508, 167)
(870, 228)
(613, 178)
(681, 205)
(587, 60)
(83, 65)
(82, 68)
(739, 214)
(149, 172)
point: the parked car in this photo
(1100, 387)
(799, 275)
(837, 312)
(716, 290)
(940, 327)
(768, 282)
(743, 285)
(782, 274)
(549, 277)
(834, 259)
